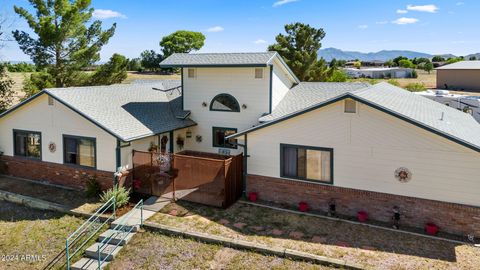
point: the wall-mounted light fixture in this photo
(198, 138)
(188, 134)
(204, 104)
(244, 106)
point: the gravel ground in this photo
(371, 247)
(155, 251)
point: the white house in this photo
(358, 146)
(379, 72)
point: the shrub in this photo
(414, 74)
(92, 188)
(393, 82)
(121, 194)
(415, 87)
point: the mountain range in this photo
(384, 55)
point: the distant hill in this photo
(477, 56)
(384, 55)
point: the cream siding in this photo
(209, 82)
(368, 147)
(280, 85)
(54, 122)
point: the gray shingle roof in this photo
(218, 59)
(127, 111)
(462, 65)
(428, 114)
(307, 94)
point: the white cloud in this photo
(382, 22)
(283, 2)
(363, 26)
(405, 20)
(424, 8)
(401, 11)
(107, 14)
(260, 41)
(215, 29)
(460, 3)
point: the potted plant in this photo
(252, 196)
(431, 228)
(362, 216)
(303, 207)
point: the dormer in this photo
(248, 77)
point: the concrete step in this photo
(117, 237)
(87, 264)
(105, 253)
(126, 228)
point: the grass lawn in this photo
(425, 78)
(26, 231)
(370, 247)
(155, 251)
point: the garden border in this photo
(354, 222)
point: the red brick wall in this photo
(415, 212)
(55, 173)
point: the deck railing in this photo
(88, 230)
(123, 228)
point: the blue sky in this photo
(447, 26)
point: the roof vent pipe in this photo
(441, 119)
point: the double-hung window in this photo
(79, 151)
(27, 144)
(306, 163)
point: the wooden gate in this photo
(205, 178)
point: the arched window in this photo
(224, 103)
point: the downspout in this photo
(118, 161)
(171, 142)
(245, 166)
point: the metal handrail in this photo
(119, 229)
(85, 227)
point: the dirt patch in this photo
(73, 199)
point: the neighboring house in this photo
(379, 73)
(364, 147)
(463, 75)
(466, 103)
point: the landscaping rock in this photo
(174, 212)
(239, 225)
(343, 244)
(296, 235)
(319, 239)
(257, 228)
(276, 232)
(223, 221)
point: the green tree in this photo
(299, 48)
(36, 82)
(389, 63)
(181, 41)
(114, 71)
(6, 90)
(472, 58)
(357, 64)
(150, 60)
(428, 67)
(134, 64)
(438, 58)
(405, 63)
(452, 60)
(65, 41)
(396, 60)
